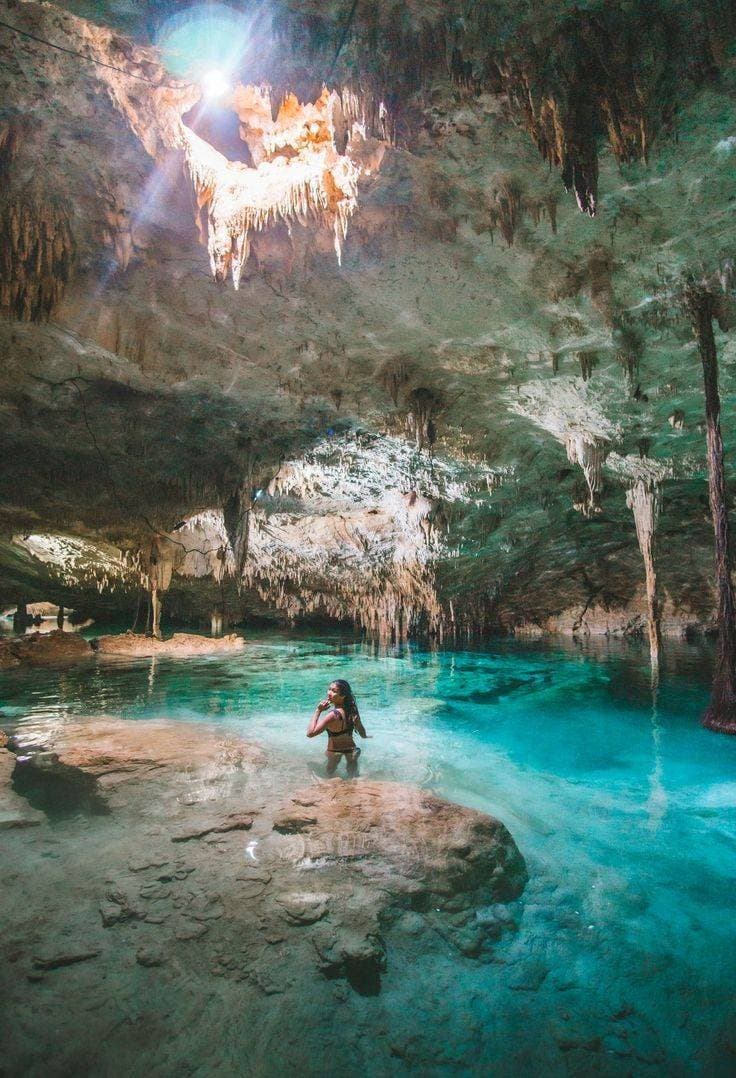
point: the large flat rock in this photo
(106, 748)
(183, 645)
(450, 855)
(210, 864)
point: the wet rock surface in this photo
(181, 644)
(203, 874)
(15, 811)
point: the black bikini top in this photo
(348, 727)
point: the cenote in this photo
(621, 804)
(367, 603)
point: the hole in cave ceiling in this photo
(220, 127)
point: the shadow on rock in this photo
(57, 789)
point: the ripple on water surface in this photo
(623, 806)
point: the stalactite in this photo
(629, 347)
(506, 208)
(236, 512)
(643, 499)
(118, 233)
(538, 207)
(424, 406)
(587, 361)
(393, 376)
(36, 257)
(299, 176)
(590, 453)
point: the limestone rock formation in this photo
(440, 855)
(180, 644)
(416, 440)
(334, 873)
(43, 649)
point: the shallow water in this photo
(624, 807)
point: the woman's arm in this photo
(358, 724)
(318, 722)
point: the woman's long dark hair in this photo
(350, 707)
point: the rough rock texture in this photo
(505, 339)
(630, 620)
(196, 861)
(182, 644)
(410, 850)
(43, 649)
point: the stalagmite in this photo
(643, 499)
(721, 713)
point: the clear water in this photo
(624, 807)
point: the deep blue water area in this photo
(624, 807)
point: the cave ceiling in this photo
(450, 341)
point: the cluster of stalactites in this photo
(589, 452)
(576, 76)
(299, 178)
(36, 256)
(203, 548)
(392, 604)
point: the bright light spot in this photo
(208, 36)
(215, 84)
(726, 146)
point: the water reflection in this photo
(623, 806)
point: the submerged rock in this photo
(15, 810)
(180, 644)
(66, 958)
(390, 854)
(335, 876)
(232, 822)
(458, 855)
(115, 751)
(94, 767)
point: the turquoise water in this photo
(624, 808)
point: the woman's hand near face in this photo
(323, 705)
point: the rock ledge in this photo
(180, 644)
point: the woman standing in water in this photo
(339, 716)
